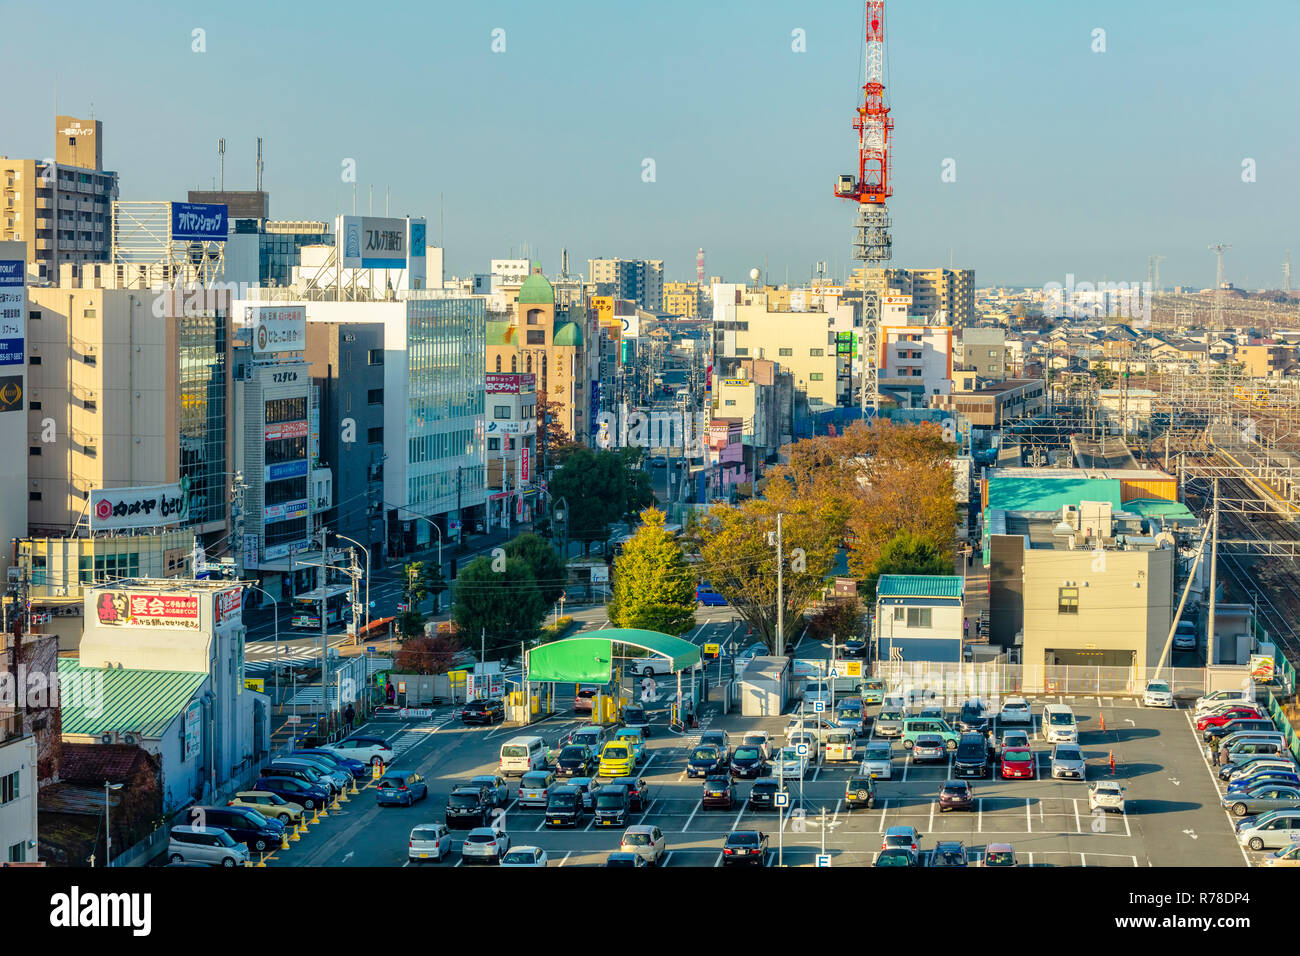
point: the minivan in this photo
(915, 726)
(519, 755)
(297, 770)
(244, 825)
(972, 757)
(839, 745)
(1058, 725)
(1251, 745)
(1215, 735)
(332, 772)
(210, 845)
(565, 807)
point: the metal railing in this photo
(955, 681)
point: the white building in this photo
(17, 791)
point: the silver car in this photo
(1263, 799)
(646, 842)
(1067, 761)
(485, 845)
(1272, 831)
(878, 761)
(889, 723)
(497, 789)
(929, 747)
(429, 841)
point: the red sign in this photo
(523, 465)
(510, 384)
(286, 430)
(147, 610)
(228, 604)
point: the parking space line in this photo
(694, 810)
(1077, 825)
(542, 824)
(566, 858)
(736, 822)
(1083, 859)
(980, 815)
(931, 815)
(1127, 832)
(1031, 859)
(883, 811)
(667, 856)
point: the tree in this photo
(427, 655)
(741, 566)
(601, 487)
(907, 553)
(499, 599)
(549, 572)
(1104, 375)
(653, 588)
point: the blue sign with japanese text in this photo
(199, 222)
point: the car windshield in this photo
(574, 753)
(481, 838)
(999, 857)
(563, 800)
(633, 715)
(533, 781)
(1158, 687)
(747, 753)
(1069, 753)
(859, 783)
(705, 753)
(789, 753)
(1057, 719)
(743, 839)
(609, 801)
(875, 752)
(754, 740)
(889, 715)
(1016, 756)
(893, 858)
(509, 751)
(954, 788)
(616, 753)
(518, 856)
(636, 839)
(849, 707)
(928, 740)
(875, 685)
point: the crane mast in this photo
(872, 243)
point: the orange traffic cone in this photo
(1112, 763)
(1103, 723)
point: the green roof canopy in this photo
(590, 660)
(135, 701)
(919, 585)
(536, 290)
(568, 333)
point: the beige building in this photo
(1265, 361)
(951, 291)
(125, 389)
(61, 210)
(683, 299)
(641, 280)
(992, 404)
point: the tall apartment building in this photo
(641, 280)
(951, 291)
(126, 387)
(61, 209)
(683, 298)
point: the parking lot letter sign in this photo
(823, 859)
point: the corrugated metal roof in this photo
(920, 585)
(131, 701)
(1019, 492)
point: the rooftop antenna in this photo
(259, 164)
(221, 162)
(1286, 273)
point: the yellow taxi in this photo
(617, 759)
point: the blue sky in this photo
(1067, 160)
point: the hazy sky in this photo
(1067, 160)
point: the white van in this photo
(1059, 726)
(519, 755)
(210, 845)
(839, 745)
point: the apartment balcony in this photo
(44, 202)
(45, 244)
(44, 223)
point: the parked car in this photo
(304, 772)
(1262, 799)
(646, 842)
(872, 690)
(901, 836)
(1215, 698)
(1270, 831)
(1106, 795)
(245, 825)
(1157, 694)
(1067, 761)
(973, 717)
(1000, 854)
(760, 739)
(889, 723)
(748, 762)
(306, 795)
(400, 788)
(948, 853)
(854, 650)
(1185, 636)
(485, 845)
(1015, 738)
(762, 795)
(371, 751)
(850, 715)
(790, 764)
(929, 747)
(270, 805)
(587, 788)
(1015, 710)
(897, 856)
(429, 841)
(619, 858)
(956, 795)
(816, 725)
(583, 699)
(574, 761)
(353, 766)
(1229, 714)
(806, 740)
(706, 759)
(209, 845)
(1016, 763)
(525, 856)
(467, 807)
(488, 710)
(718, 793)
(717, 738)
(636, 791)
(1284, 777)
(617, 759)
(745, 846)
(327, 767)
(612, 806)
(496, 786)
(973, 756)
(634, 738)
(1254, 764)
(534, 788)
(565, 808)
(1287, 856)
(878, 761)
(860, 793)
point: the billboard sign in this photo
(193, 728)
(286, 430)
(13, 312)
(498, 384)
(373, 242)
(523, 463)
(116, 509)
(631, 326)
(292, 509)
(127, 609)
(228, 604)
(286, 469)
(277, 328)
(199, 222)
(11, 393)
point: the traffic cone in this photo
(261, 859)
(323, 813)
(316, 817)
(341, 798)
(1112, 763)
(297, 833)
(284, 840)
(1103, 723)
(355, 791)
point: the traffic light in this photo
(403, 607)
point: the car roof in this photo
(1000, 846)
(1015, 701)
(365, 740)
(640, 828)
(900, 830)
(483, 831)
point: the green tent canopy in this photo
(590, 660)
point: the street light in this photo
(108, 831)
(419, 517)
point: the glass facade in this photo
(279, 252)
(201, 380)
(446, 356)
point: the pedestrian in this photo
(350, 715)
(966, 627)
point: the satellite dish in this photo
(754, 274)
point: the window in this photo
(500, 411)
(9, 788)
(494, 444)
(35, 360)
(730, 401)
(375, 396)
(785, 352)
(816, 353)
(375, 436)
(286, 410)
(34, 450)
(35, 406)
(33, 496)
(17, 853)
(742, 351)
(536, 337)
(498, 363)
(375, 357)
(1068, 601)
(814, 376)
(918, 617)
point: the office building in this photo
(17, 789)
(62, 210)
(511, 429)
(984, 351)
(641, 280)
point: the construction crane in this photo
(870, 190)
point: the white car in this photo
(485, 845)
(429, 841)
(1218, 698)
(1270, 831)
(789, 765)
(1015, 710)
(369, 750)
(1185, 636)
(816, 690)
(1157, 694)
(1106, 795)
(878, 761)
(525, 856)
(807, 739)
(818, 725)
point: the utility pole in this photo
(1214, 575)
(1218, 249)
(324, 622)
(780, 592)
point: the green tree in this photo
(601, 487)
(1104, 375)
(498, 597)
(549, 572)
(653, 588)
(907, 553)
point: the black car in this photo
(973, 718)
(468, 807)
(762, 795)
(748, 762)
(306, 795)
(1213, 735)
(612, 806)
(707, 759)
(854, 650)
(244, 824)
(635, 791)
(745, 846)
(564, 807)
(718, 793)
(860, 793)
(574, 761)
(973, 757)
(487, 711)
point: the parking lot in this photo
(1172, 816)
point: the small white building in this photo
(765, 687)
(919, 617)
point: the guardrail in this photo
(1283, 723)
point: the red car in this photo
(1016, 762)
(1221, 718)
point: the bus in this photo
(306, 607)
